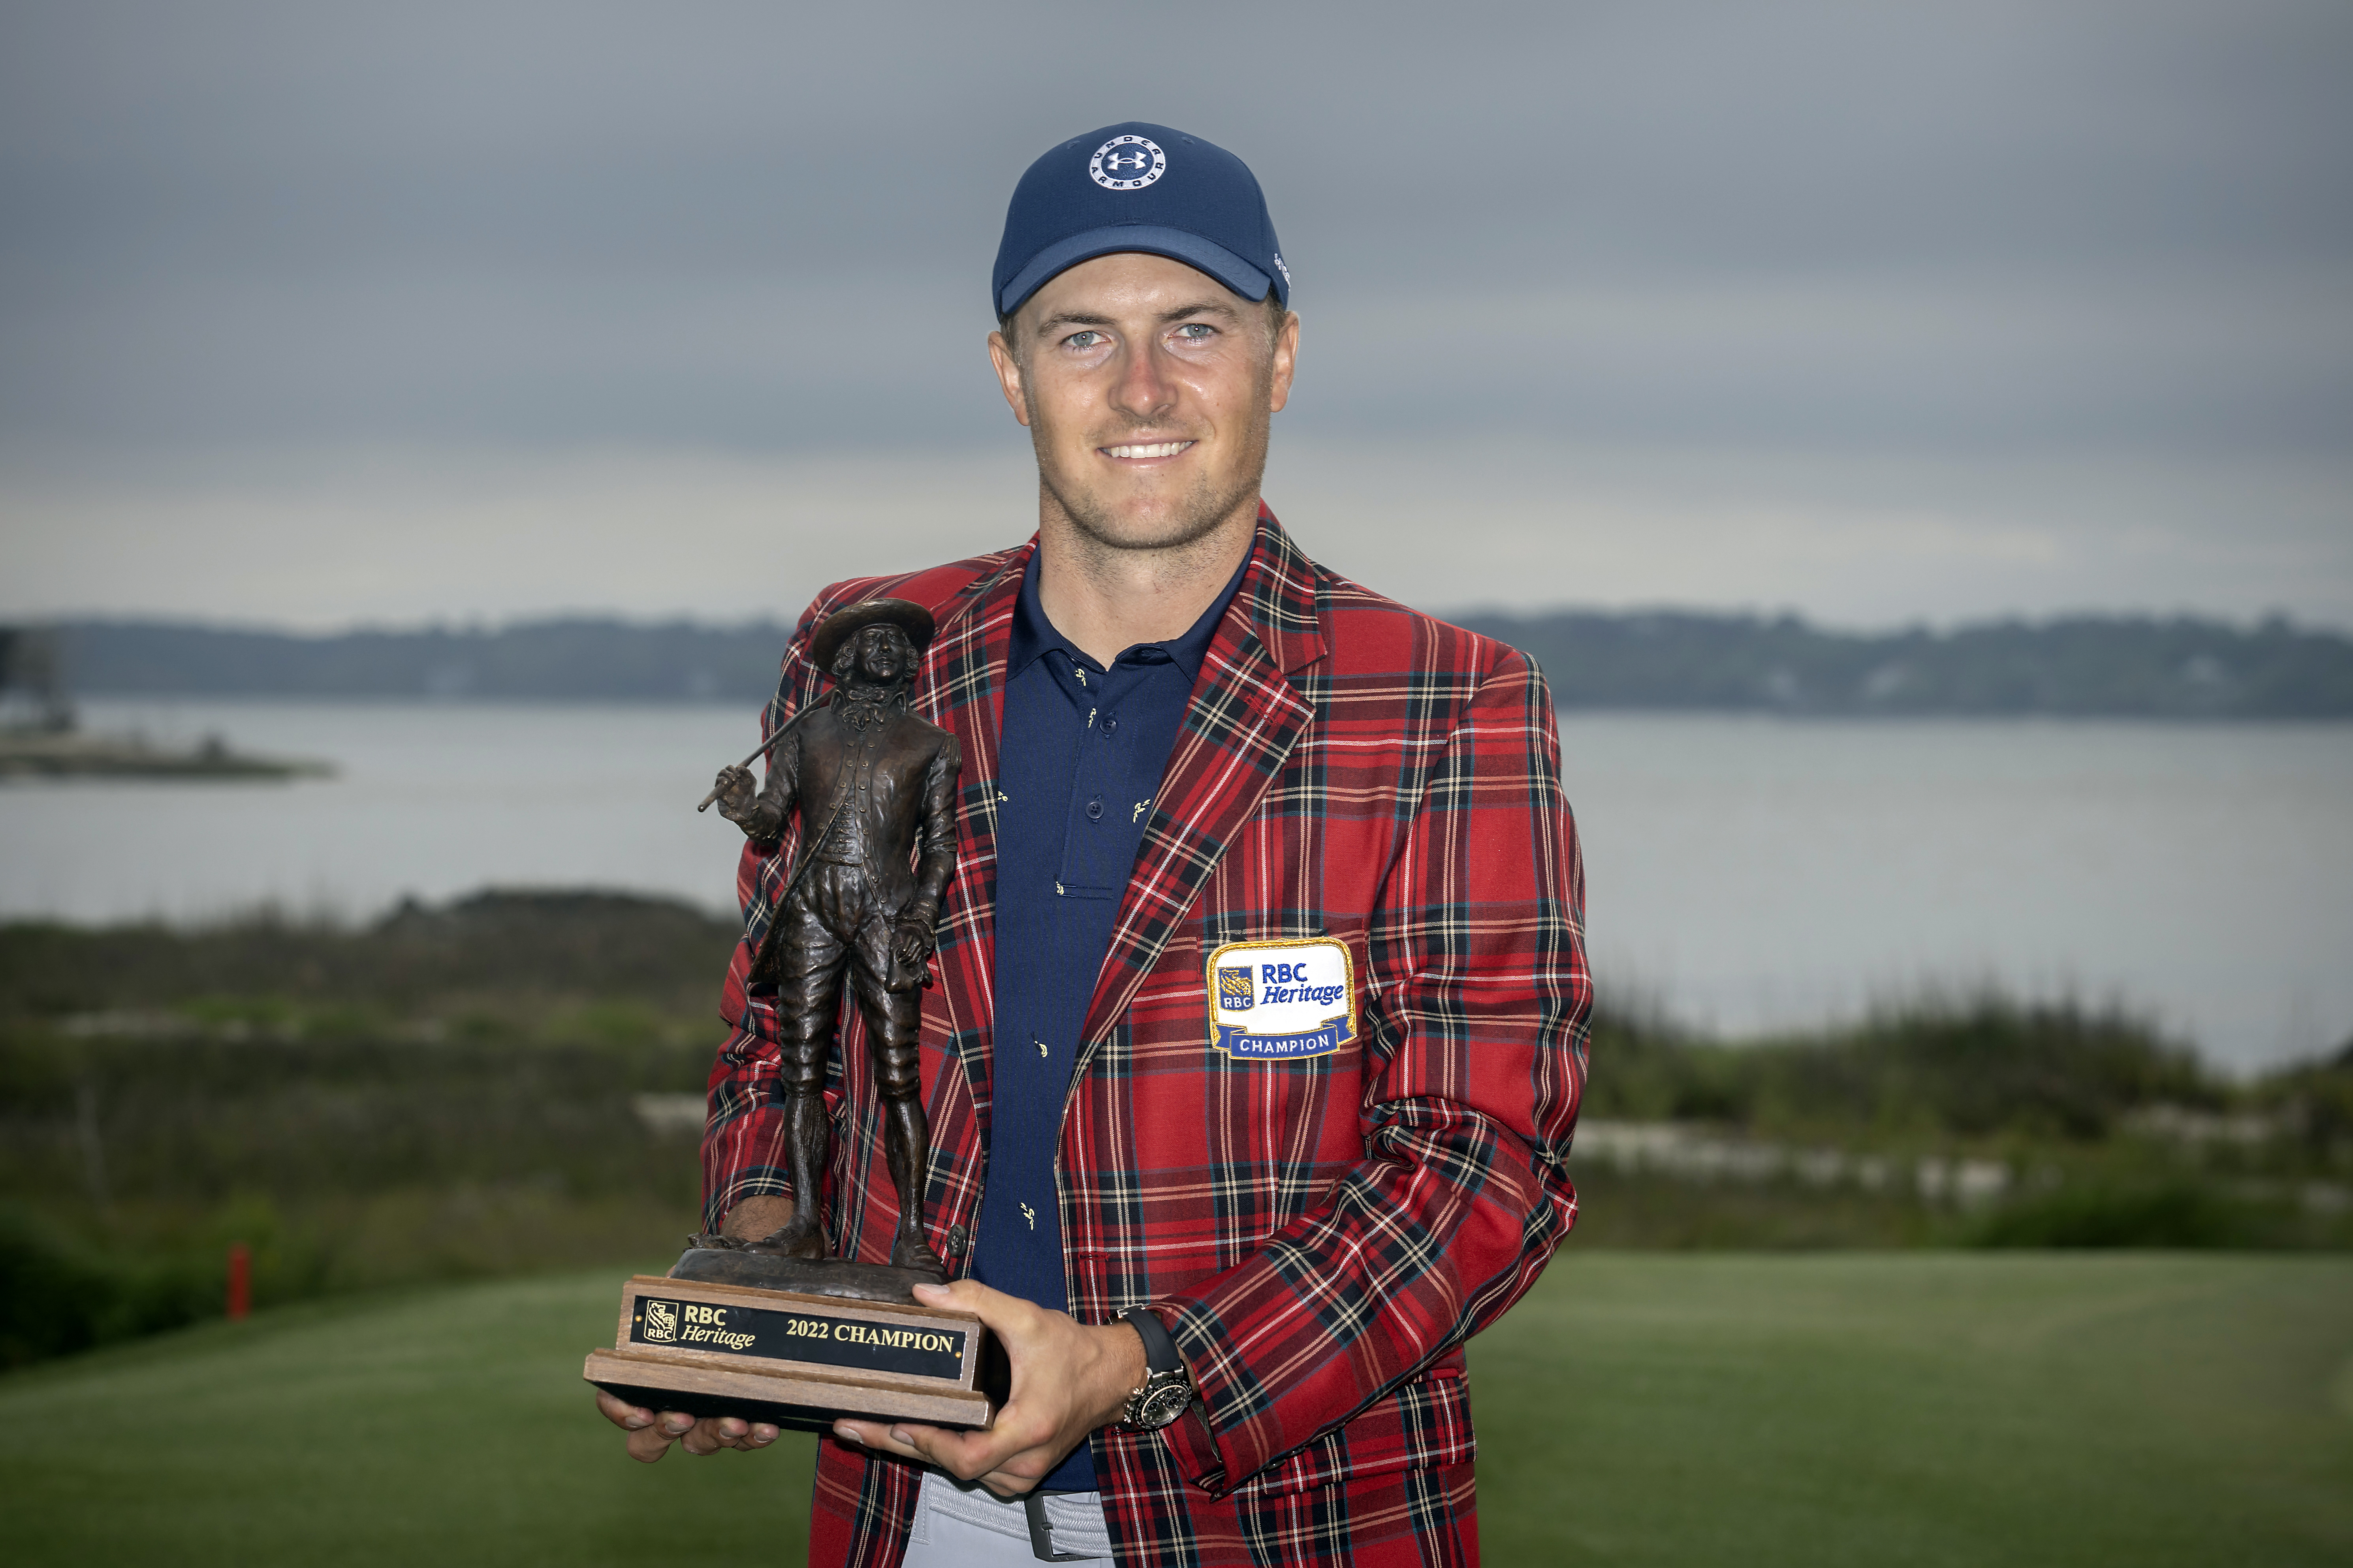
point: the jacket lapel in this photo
(966, 697)
(1244, 719)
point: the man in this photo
(852, 903)
(1260, 1026)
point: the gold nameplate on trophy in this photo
(797, 1360)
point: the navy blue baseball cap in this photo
(1138, 187)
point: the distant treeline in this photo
(2130, 667)
(572, 659)
(2140, 666)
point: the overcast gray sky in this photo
(314, 314)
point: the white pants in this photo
(960, 1527)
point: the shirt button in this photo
(1110, 722)
(1094, 809)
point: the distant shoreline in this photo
(112, 702)
(2166, 669)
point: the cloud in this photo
(2071, 274)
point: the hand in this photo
(914, 932)
(1068, 1380)
(736, 794)
(651, 1433)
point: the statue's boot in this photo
(906, 1144)
(805, 1141)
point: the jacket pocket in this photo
(1424, 1423)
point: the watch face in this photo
(1163, 1405)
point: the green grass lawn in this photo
(1921, 1408)
(1913, 1408)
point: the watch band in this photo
(1167, 1387)
(1159, 1348)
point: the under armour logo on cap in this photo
(1127, 164)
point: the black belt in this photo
(1041, 1533)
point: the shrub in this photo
(58, 1296)
(2172, 1215)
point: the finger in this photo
(992, 1307)
(704, 1438)
(921, 1443)
(652, 1443)
(745, 1444)
(874, 1435)
(967, 1456)
(1007, 1485)
(647, 1444)
(622, 1414)
(1017, 1322)
(743, 1436)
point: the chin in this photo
(1151, 521)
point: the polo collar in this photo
(1034, 634)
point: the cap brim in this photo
(1176, 244)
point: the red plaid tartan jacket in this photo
(1320, 1234)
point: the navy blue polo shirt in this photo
(1080, 760)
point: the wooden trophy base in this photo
(796, 1358)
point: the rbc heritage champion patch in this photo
(1274, 1001)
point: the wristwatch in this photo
(1167, 1388)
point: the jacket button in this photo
(959, 1239)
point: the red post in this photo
(240, 1280)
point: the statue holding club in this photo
(874, 785)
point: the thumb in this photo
(1011, 1317)
(956, 1294)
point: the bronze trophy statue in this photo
(875, 786)
(773, 1327)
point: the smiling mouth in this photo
(1145, 449)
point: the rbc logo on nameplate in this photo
(661, 1321)
(1277, 1001)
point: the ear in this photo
(1008, 372)
(1286, 361)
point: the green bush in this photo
(58, 1296)
(2171, 1215)
(1935, 1067)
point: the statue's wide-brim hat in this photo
(843, 625)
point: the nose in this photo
(1144, 390)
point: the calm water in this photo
(1745, 873)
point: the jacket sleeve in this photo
(1475, 1021)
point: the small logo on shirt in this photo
(1274, 1001)
(1127, 164)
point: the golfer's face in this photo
(1147, 388)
